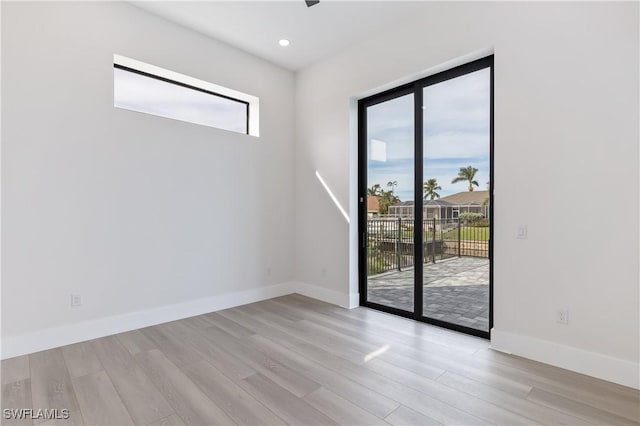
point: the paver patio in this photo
(456, 290)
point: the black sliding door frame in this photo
(416, 88)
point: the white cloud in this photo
(456, 134)
(453, 144)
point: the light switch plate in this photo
(521, 233)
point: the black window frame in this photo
(189, 86)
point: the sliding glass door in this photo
(425, 195)
(456, 145)
(390, 168)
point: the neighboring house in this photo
(468, 202)
(447, 207)
(402, 209)
(437, 209)
(373, 206)
(431, 209)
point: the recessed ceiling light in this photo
(284, 42)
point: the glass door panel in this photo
(390, 194)
(456, 172)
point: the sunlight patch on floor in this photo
(376, 353)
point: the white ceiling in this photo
(315, 33)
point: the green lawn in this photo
(468, 233)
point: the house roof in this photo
(437, 203)
(373, 203)
(474, 198)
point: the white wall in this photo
(147, 218)
(566, 153)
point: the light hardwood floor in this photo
(294, 360)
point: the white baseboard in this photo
(593, 364)
(354, 300)
(323, 294)
(54, 337)
(65, 335)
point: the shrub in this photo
(471, 218)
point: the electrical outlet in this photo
(521, 233)
(76, 300)
(563, 316)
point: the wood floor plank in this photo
(425, 359)
(231, 327)
(310, 328)
(172, 420)
(50, 381)
(15, 369)
(410, 397)
(412, 352)
(408, 345)
(301, 361)
(517, 404)
(260, 327)
(235, 401)
(425, 371)
(594, 396)
(209, 350)
(285, 405)
(340, 410)
(479, 406)
(556, 373)
(81, 359)
(361, 396)
(135, 342)
(405, 416)
(212, 351)
(447, 395)
(500, 377)
(379, 335)
(295, 383)
(372, 336)
(99, 401)
(307, 335)
(488, 376)
(179, 354)
(588, 390)
(141, 397)
(15, 396)
(198, 322)
(577, 409)
(188, 401)
(458, 342)
(287, 310)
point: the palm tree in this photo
(392, 184)
(466, 174)
(430, 187)
(386, 199)
(375, 190)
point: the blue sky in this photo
(456, 134)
